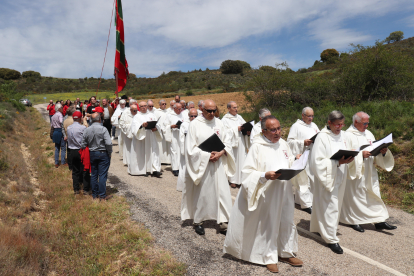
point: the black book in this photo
(247, 127)
(347, 153)
(151, 124)
(213, 143)
(314, 137)
(383, 143)
(287, 174)
(178, 123)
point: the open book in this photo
(314, 137)
(213, 143)
(347, 153)
(151, 124)
(297, 166)
(247, 127)
(377, 146)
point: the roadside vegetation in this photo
(46, 230)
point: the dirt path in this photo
(156, 203)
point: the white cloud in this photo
(68, 39)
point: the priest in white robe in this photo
(172, 135)
(163, 145)
(299, 141)
(330, 179)
(261, 229)
(200, 107)
(239, 142)
(362, 200)
(144, 150)
(257, 128)
(150, 105)
(125, 126)
(208, 196)
(116, 117)
(187, 110)
(183, 175)
(170, 110)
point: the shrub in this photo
(19, 106)
(267, 68)
(245, 65)
(189, 92)
(394, 37)
(302, 70)
(329, 54)
(9, 74)
(231, 67)
(344, 55)
(31, 74)
(132, 76)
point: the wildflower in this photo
(17, 112)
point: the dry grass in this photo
(45, 229)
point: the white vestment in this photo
(207, 196)
(257, 129)
(125, 126)
(297, 134)
(184, 113)
(182, 175)
(172, 135)
(121, 136)
(261, 227)
(144, 149)
(163, 146)
(330, 182)
(239, 143)
(362, 200)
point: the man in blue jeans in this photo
(97, 138)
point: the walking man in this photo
(97, 138)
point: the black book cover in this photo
(151, 124)
(178, 123)
(247, 127)
(287, 174)
(347, 153)
(314, 137)
(213, 143)
(376, 151)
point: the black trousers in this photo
(78, 174)
(107, 124)
(68, 150)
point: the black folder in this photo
(347, 153)
(178, 123)
(376, 151)
(287, 174)
(213, 143)
(151, 124)
(247, 127)
(314, 137)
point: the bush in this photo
(394, 37)
(329, 55)
(231, 67)
(132, 76)
(9, 74)
(267, 68)
(31, 74)
(245, 65)
(302, 70)
(189, 92)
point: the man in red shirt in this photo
(51, 109)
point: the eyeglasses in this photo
(150, 106)
(273, 130)
(193, 116)
(365, 124)
(210, 110)
(163, 104)
(134, 110)
(339, 125)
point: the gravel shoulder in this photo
(156, 203)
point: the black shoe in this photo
(308, 210)
(175, 173)
(336, 248)
(384, 225)
(199, 229)
(357, 227)
(156, 174)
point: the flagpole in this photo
(116, 82)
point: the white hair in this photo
(149, 101)
(229, 104)
(175, 105)
(263, 111)
(122, 101)
(358, 116)
(161, 101)
(200, 102)
(172, 102)
(306, 109)
(58, 106)
(131, 101)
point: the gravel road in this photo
(156, 203)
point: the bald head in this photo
(209, 108)
(143, 107)
(192, 114)
(96, 117)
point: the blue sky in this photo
(68, 38)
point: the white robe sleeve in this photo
(321, 165)
(182, 141)
(385, 162)
(196, 159)
(295, 145)
(233, 132)
(136, 129)
(167, 129)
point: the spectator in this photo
(107, 115)
(79, 175)
(68, 120)
(96, 137)
(51, 109)
(58, 139)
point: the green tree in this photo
(231, 67)
(28, 74)
(9, 74)
(329, 55)
(394, 37)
